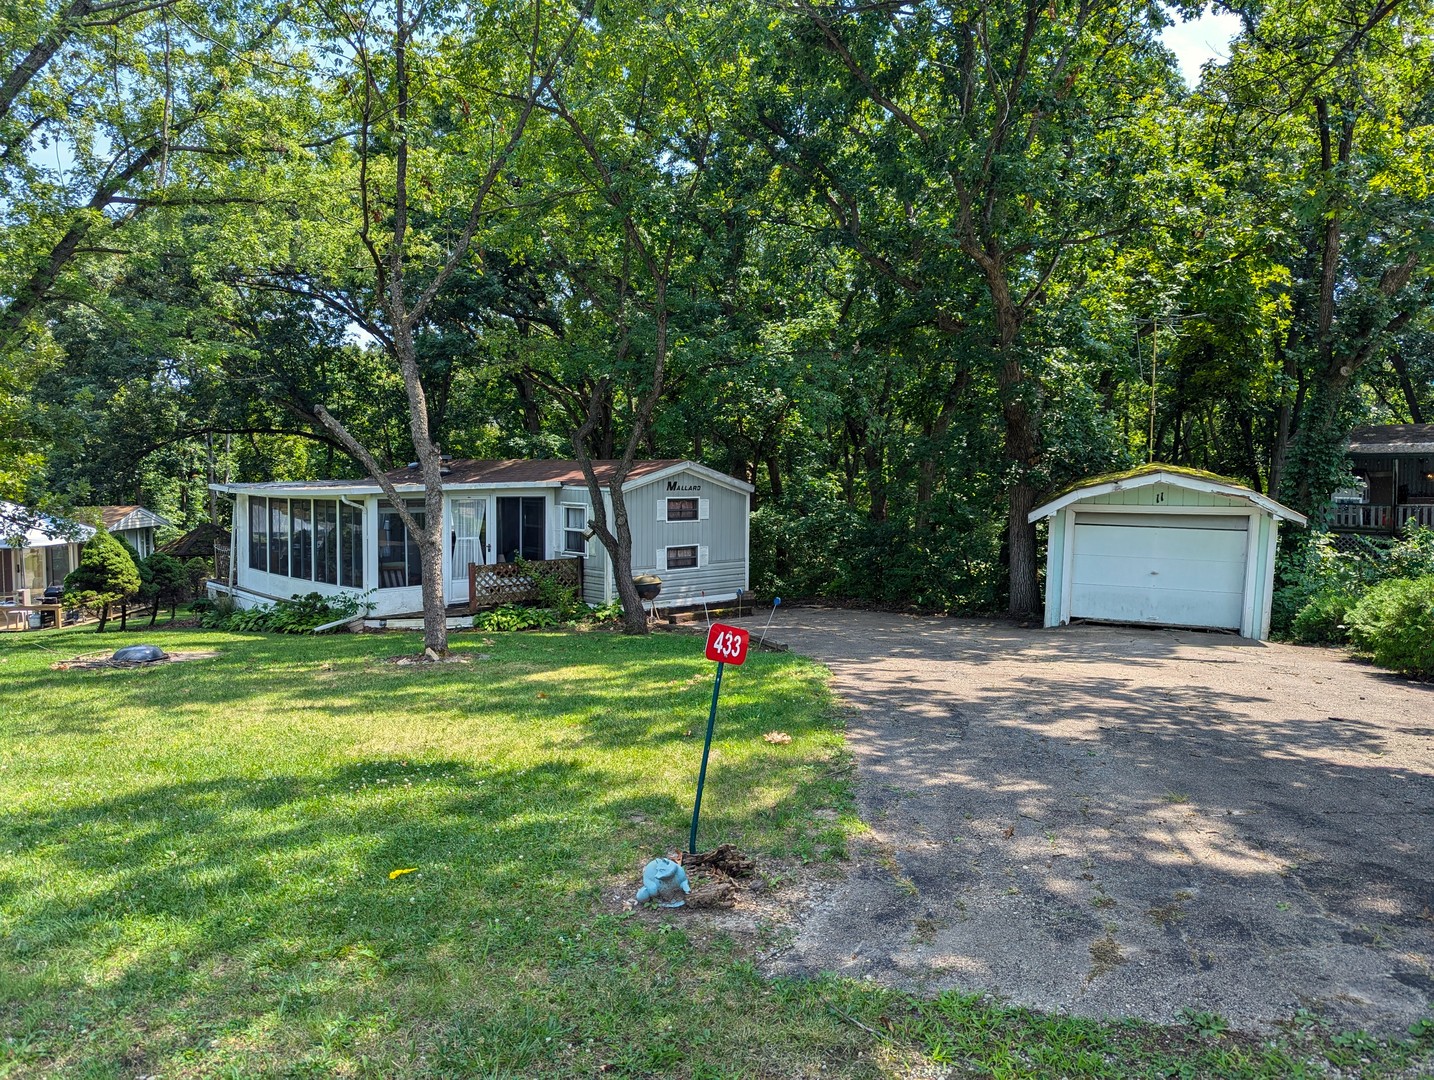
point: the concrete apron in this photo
(1117, 822)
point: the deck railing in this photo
(1364, 517)
(492, 584)
(1419, 513)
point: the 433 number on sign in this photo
(727, 644)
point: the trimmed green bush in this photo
(1393, 624)
(163, 583)
(1323, 620)
(107, 575)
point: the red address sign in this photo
(727, 644)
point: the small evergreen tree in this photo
(163, 582)
(106, 575)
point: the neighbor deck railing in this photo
(1419, 513)
(1361, 516)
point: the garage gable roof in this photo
(1175, 476)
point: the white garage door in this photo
(1171, 569)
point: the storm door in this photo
(467, 542)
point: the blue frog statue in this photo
(665, 882)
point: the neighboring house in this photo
(39, 557)
(1394, 474)
(133, 524)
(1165, 546)
(689, 526)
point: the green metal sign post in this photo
(726, 645)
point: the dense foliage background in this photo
(910, 264)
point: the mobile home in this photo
(689, 527)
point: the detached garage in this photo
(1165, 546)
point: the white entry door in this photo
(1167, 569)
(467, 542)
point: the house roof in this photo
(198, 541)
(509, 473)
(38, 530)
(117, 518)
(1175, 475)
(519, 471)
(1392, 439)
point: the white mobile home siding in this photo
(597, 576)
(721, 536)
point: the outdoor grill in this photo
(52, 596)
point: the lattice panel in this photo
(515, 583)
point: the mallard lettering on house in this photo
(675, 485)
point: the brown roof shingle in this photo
(1392, 439)
(112, 515)
(523, 471)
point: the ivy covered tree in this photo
(107, 575)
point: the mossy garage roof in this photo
(1143, 470)
(1224, 485)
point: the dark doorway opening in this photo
(522, 528)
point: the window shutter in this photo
(661, 558)
(702, 556)
(661, 509)
(703, 505)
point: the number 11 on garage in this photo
(726, 645)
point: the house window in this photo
(326, 541)
(7, 574)
(57, 563)
(32, 569)
(681, 509)
(575, 523)
(682, 558)
(399, 562)
(279, 536)
(301, 539)
(258, 533)
(350, 546)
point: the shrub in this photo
(163, 583)
(297, 615)
(106, 575)
(609, 612)
(1412, 555)
(515, 617)
(197, 570)
(1322, 620)
(1317, 574)
(562, 599)
(1393, 624)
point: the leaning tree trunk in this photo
(634, 615)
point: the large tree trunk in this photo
(1021, 545)
(1022, 441)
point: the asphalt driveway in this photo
(1120, 822)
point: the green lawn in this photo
(195, 861)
